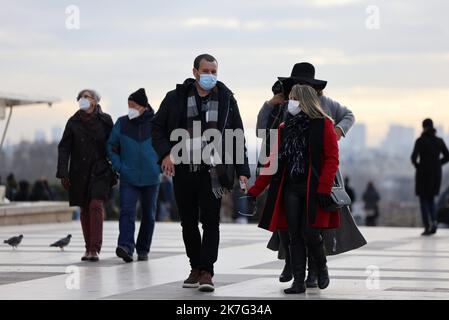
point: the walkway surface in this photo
(396, 264)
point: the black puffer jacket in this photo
(84, 145)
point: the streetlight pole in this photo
(6, 128)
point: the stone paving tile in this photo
(408, 266)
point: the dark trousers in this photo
(303, 238)
(427, 205)
(196, 202)
(129, 195)
(92, 218)
(285, 242)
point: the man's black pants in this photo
(196, 202)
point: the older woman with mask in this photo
(89, 177)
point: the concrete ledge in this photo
(17, 213)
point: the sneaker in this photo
(85, 257)
(121, 252)
(193, 280)
(206, 284)
(93, 257)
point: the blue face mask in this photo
(207, 81)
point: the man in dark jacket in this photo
(199, 185)
(133, 157)
(428, 149)
(90, 176)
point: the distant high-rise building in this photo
(355, 141)
(399, 139)
(40, 136)
(56, 134)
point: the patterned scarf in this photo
(294, 147)
(196, 144)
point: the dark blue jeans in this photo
(129, 194)
(427, 205)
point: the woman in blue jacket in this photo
(133, 157)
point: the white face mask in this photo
(84, 104)
(293, 107)
(133, 113)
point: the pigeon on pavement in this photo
(14, 241)
(64, 242)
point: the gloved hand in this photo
(65, 183)
(246, 205)
(324, 200)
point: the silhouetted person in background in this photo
(40, 191)
(371, 198)
(350, 192)
(426, 158)
(24, 191)
(11, 187)
(50, 192)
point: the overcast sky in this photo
(395, 74)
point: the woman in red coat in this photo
(299, 190)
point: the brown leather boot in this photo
(193, 280)
(206, 284)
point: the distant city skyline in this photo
(356, 139)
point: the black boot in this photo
(433, 229)
(319, 256)
(298, 260)
(286, 274)
(312, 274)
(323, 278)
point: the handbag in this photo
(339, 196)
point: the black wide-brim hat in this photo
(303, 72)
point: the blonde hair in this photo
(308, 101)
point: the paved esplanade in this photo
(409, 266)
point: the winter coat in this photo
(323, 165)
(270, 117)
(83, 144)
(428, 149)
(169, 117)
(131, 152)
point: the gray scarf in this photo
(198, 143)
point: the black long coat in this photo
(428, 149)
(84, 145)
